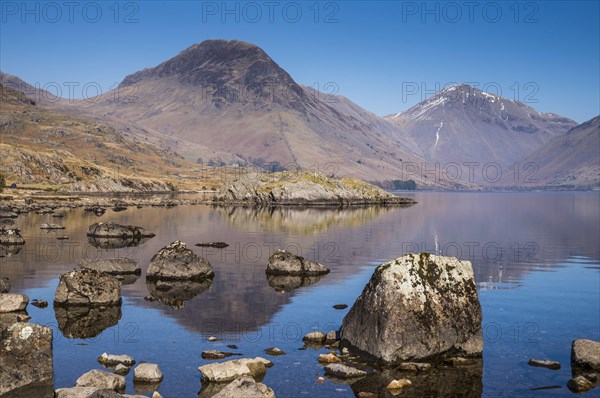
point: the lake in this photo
(536, 259)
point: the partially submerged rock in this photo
(4, 285)
(580, 384)
(282, 262)
(245, 387)
(416, 307)
(52, 226)
(26, 361)
(112, 230)
(114, 360)
(585, 355)
(217, 245)
(10, 235)
(224, 372)
(112, 266)
(100, 379)
(12, 302)
(315, 337)
(216, 354)
(177, 262)
(554, 365)
(341, 371)
(87, 288)
(148, 373)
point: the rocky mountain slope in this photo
(570, 160)
(464, 124)
(41, 148)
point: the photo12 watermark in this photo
(451, 12)
(126, 12)
(326, 12)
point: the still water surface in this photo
(536, 259)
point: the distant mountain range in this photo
(228, 102)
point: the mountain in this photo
(571, 160)
(43, 149)
(228, 101)
(464, 124)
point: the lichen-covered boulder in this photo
(177, 262)
(26, 361)
(225, 372)
(585, 354)
(112, 230)
(416, 307)
(12, 302)
(87, 288)
(282, 262)
(100, 379)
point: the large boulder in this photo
(101, 379)
(112, 230)
(112, 266)
(416, 307)
(11, 302)
(26, 361)
(282, 262)
(177, 262)
(87, 288)
(245, 387)
(225, 372)
(585, 354)
(147, 373)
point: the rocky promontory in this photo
(303, 188)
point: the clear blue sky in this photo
(376, 53)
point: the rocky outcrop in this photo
(26, 361)
(112, 266)
(245, 387)
(87, 288)
(224, 372)
(177, 262)
(303, 188)
(10, 302)
(416, 307)
(100, 379)
(282, 262)
(112, 230)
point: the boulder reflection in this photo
(115, 243)
(175, 293)
(85, 322)
(287, 283)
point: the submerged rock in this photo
(26, 361)
(87, 288)
(176, 261)
(415, 307)
(217, 245)
(224, 372)
(216, 354)
(282, 262)
(100, 379)
(580, 384)
(274, 351)
(245, 387)
(112, 266)
(12, 302)
(112, 230)
(343, 371)
(52, 226)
